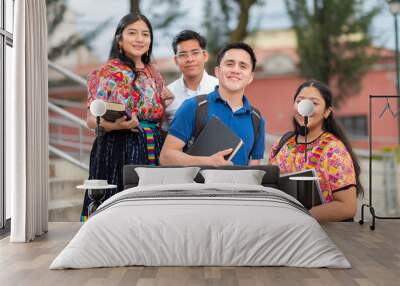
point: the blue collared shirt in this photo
(240, 122)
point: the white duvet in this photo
(201, 224)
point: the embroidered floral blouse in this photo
(116, 82)
(327, 155)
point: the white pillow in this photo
(166, 176)
(248, 177)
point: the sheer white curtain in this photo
(27, 123)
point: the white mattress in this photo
(221, 227)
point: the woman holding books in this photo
(127, 78)
(328, 152)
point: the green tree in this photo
(334, 42)
(56, 10)
(134, 6)
(163, 16)
(227, 21)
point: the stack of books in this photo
(115, 111)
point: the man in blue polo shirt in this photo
(235, 70)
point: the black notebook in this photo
(215, 137)
(307, 192)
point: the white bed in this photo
(201, 225)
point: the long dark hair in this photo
(117, 53)
(332, 126)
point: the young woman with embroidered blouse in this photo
(129, 78)
(329, 153)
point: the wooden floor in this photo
(375, 256)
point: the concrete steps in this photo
(65, 200)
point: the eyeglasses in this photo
(193, 54)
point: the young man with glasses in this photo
(190, 57)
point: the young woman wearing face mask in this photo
(329, 153)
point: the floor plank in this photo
(374, 255)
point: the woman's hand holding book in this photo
(121, 123)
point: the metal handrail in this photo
(68, 115)
(68, 73)
(67, 157)
(71, 144)
(71, 137)
(81, 124)
(67, 103)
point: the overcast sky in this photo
(90, 13)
